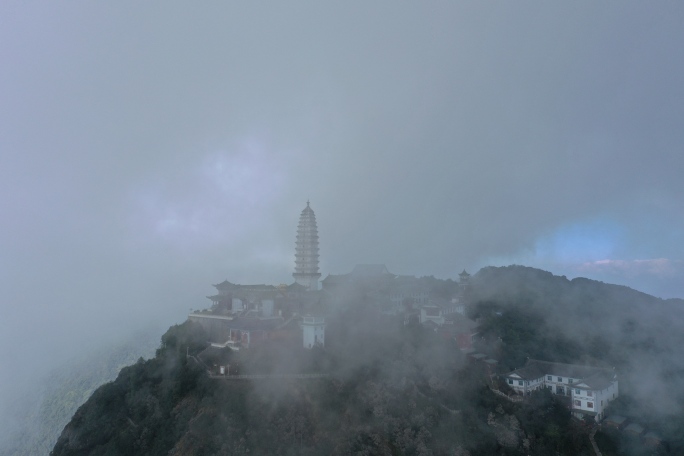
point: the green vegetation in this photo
(409, 393)
(395, 389)
(526, 312)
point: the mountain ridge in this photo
(388, 380)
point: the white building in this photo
(589, 389)
(313, 329)
(458, 306)
(306, 250)
(408, 290)
(431, 313)
(592, 395)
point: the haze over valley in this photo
(150, 151)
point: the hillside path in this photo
(593, 442)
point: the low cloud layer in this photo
(659, 267)
(148, 151)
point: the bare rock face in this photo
(506, 428)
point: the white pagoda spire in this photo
(306, 250)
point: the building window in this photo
(510, 381)
(548, 377)
(577, 391)
(601, 403)
(560, 390)
(569, 380)
(590, 405)
(560, 379)
(589, 393)
(578, 403)
(520, 382)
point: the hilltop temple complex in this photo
(244, 315)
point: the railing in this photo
(266, 376)
(515, 398)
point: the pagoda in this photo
(306, 250)
(463, 285)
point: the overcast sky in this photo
(148, 150)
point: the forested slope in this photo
(395, 389)
(526, 312)
(405, 392)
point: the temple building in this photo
(233, 297)
(313, 331)
(588, 389)
(306, 250)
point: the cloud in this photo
(661, 267)
(171, 148)
(221, 197)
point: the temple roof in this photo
(336, 278)
(369, 270)
(307, 209)
(460, 322)
(219, 297)
(616, 420)
(634, 428)
(534, 369)
(432, 311)
(597, 381)
(225, 285)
